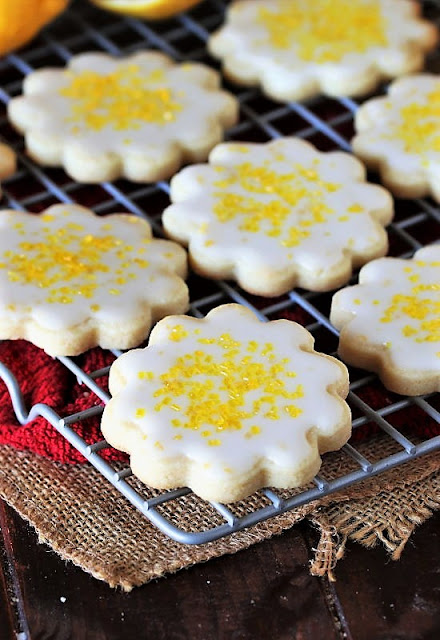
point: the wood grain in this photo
(388, 600)
(263, 592)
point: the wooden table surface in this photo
(263, 592)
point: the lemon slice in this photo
(154, 9)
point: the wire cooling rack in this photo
(327, 123)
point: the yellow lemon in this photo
(20, 20)
(153, 9)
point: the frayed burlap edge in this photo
(389, 517)
(87, 521)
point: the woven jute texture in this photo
(86, 520)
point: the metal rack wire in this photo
(324, 122)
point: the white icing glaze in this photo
(295, 210)
(396, 307)
(400, 133)
(295, 49)
(148, 83)
(67, 266)
(141, 380)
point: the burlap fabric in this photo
(87, 521)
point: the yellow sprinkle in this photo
(408, 330)
(214, 442)
(239, 148)
(140, 413)
(324, 31)
(417, 125)
(178, 333)
(145, 375)
(293, 411)
(214, 391)
(423, 311)
(95, 307)
(74, 226)
(355, 208)
(143, 264)
(253, 431)
(254, 215)
(121, 100)
(252, 346)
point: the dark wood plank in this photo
(12, 619)
(6, 612)
(264, 592)
(388, 600)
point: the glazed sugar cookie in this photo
(278, 215)
(227, 405)
(295, 50)
(71, 280)
(8, 162)
(399, 136)
(390, 321)
(139, 117)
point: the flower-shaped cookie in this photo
(399, 136)
(8, 162)
(278, 215)
(227, 405)
(140, 116)
(390, 321)
(297, 49)
(71, 280)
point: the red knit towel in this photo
(44, 379)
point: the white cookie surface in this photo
(71, 280)
(298, 49)
(139, 117)
(226, 405)
(399, 136)
(278, 215)
(390, 321)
